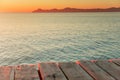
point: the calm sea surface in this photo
(34, 37)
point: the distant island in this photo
(68, 9)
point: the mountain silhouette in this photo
(68, 9)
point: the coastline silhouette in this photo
(68, 9)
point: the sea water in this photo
(43, 37)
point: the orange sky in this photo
(30, 5)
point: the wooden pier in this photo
(79, 70)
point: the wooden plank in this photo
(50, 71)
(26, 72)
(96, 72)
(74, 72)
(116, 62)
(111, 68)
(6, 73)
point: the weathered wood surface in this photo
(6, 73)
(116, 62)
(74, 72)
(111, 68)
(50, 71)
(96, 72)
(26, 72)
(80, 70)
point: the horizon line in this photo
(69, 9)
(79, 8)
(61, 9)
